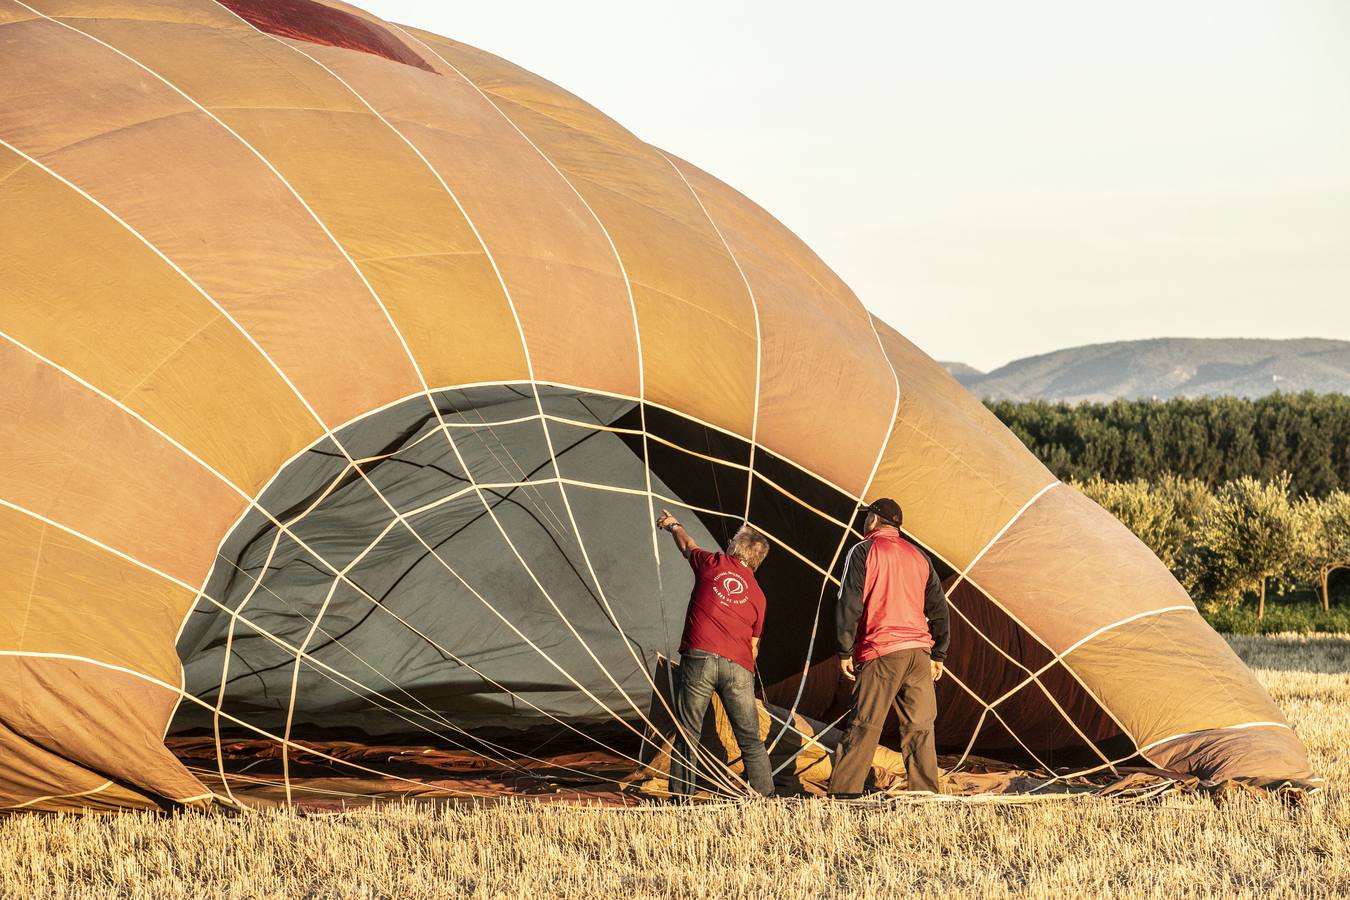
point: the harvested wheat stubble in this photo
(1178, 845)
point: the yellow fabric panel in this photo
(1067, 567)
(12, 12)
(198, 12)
(70, 455)
(695, 314)
(832, 419)
(37, 779)
(223, 402)
(226, 65)
(200, 196)
(380, 201)
(367, 185)
(1166, 675)
(957, 472)
(81, 290)
(453, 314)
(695, 363)
(97, 718)
(45, 107)
(401, 226)
(558, 266)
(61, 594)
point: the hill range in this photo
(1167, 367)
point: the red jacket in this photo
(890, 599)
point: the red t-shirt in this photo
(726, 608)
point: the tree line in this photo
(1212, 440)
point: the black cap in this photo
(887, 510)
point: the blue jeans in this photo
(701, 674)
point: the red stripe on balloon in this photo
(314, 23)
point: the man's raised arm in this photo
(683, 540)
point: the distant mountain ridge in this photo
(1167, 367)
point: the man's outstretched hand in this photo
(683, 539)
(937, 669)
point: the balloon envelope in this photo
(347, 367)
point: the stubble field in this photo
(1082, 846)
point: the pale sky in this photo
(996, 179)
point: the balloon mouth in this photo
(490, 562)
(478, 567)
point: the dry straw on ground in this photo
(1178, 846)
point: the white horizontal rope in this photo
(1059, 657)
(150, 679)
(46, 797)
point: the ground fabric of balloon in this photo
(347, 366)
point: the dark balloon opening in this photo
(484, 574)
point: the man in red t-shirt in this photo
(718, 650)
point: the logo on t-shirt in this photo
(730, 588)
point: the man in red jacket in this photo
(892, 628)
(718, 651)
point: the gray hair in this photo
(749, 546)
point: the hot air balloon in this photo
(345, 366)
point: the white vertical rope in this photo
(529, 362)
(337, 677)
(534, 384)
(759, 343)
(843, 537)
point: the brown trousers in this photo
(903, 678)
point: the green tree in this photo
(1247, 538)
(1324, 536)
